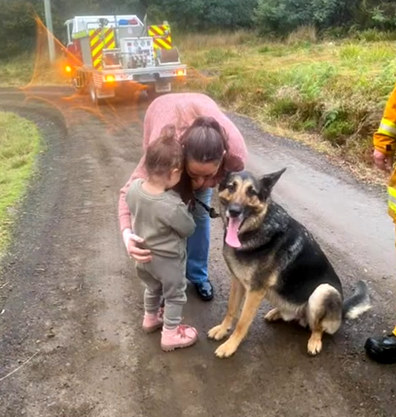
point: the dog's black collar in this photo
(212, 212)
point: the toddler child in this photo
(162, 219)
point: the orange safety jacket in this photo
(385, 141)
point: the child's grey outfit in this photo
(164, 222)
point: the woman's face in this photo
(200, 172)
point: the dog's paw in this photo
(226, 349)
(314, 346)
(217, 332)
(273, 315)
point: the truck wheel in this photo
(80, 90)
(151, 93)
(94, 95)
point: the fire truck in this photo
(106, 52)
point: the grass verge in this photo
(32, 69)
(330, 94)
(20, 142)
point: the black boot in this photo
(382, 349)
(205, 290)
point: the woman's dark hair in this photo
(165, 153)
(204, 141)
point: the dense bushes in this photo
(17, 27)
(201, 15)
(336, 90)
(277, 17)
(283, 16)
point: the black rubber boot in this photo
(382, 349)
(205, 290)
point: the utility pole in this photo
(50, 33)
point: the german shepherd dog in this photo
(272, 256)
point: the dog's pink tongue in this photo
(232, 233)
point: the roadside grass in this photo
(20, 142)
(30, 69)
(327, 93)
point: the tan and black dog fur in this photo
(278, 260)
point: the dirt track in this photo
(69, 292)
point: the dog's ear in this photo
(224, 181)
(268, 181)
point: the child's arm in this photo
(182, 221)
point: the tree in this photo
(195, 15)
(18, 28)
(284, 16)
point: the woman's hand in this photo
(131, 240)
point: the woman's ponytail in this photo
(205, 140)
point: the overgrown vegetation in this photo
(284, 16)
(335, 90)
(19, 144)
(270, 17)
(323, 67)
(31, 68)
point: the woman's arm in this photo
(237, 154)
(124, 214)
(125, 219)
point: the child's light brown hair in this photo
(165, 153)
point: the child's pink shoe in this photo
(180, 337)
(153, 322)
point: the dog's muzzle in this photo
(234, 210)
(235, 216)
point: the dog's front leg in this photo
(249, 311)
(237, 292)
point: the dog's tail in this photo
(358, 303)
